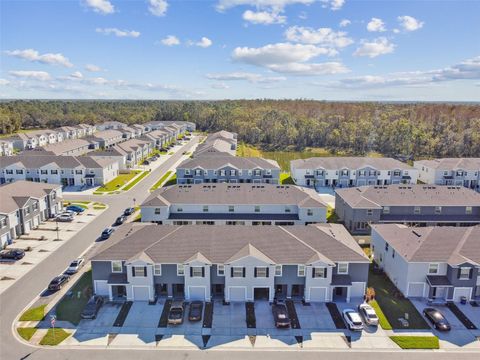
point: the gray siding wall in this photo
(101, 270)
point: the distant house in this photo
(107, 138)
(438, 263)
(24, 205)
(221, 142)
(317, 263)
(450, 171)
(159, 125)
(111, 125)
(69, 147)
(351, 171)
(6, 148)
(234, 204)
(418, 205)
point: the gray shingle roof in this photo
(67, 162)
(452, 163)
(16, 194)
(340, 162)
(217, 162)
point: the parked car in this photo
(196, 311)
(437, 319)
(90, 310)
(175, 316)
(129, 211)
(146, 162)
(280, 315)
(58, 282)
(75, 265)
(353, 320)
(120, 220)
(13, 254)
(368, 313)
(65, 217)
(106, 233)
(76, 209)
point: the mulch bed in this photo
(122, 315)
(461, 316)
(250, 315)
(336, 316)
(163, 322)
(205, 339)
(208, 315)
(292, 314)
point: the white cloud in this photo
(374, 48)
(277, 5)
(98, 81)
(76, 75)
(118, 32)
(333, 4)
(396, 31)
(93, 68)
(308, 69)
(35, 56)
(158, 7)
(34, 75)
(324, 36)
(344, 23)
(246, 76)
(170, 40)
(4, 82)
(409, 23)
(220, 86)
(100, 6)
(376, 25)
(204, 42)
(264, 17)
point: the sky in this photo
(229, 49)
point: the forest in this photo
(411, 130)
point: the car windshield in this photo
(372, 316)
(354, 318)
(74, 263)
(437, 316)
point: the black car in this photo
(437, 319)
(128, 211)
(14, 254)
(120, 220)
(175, 316)
(280, 315)
(90, 310)
(196, 311)
(106, 233)
(58, 282)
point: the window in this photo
(205, 208)
(386, 209)
(43, 172)
(278, 270)
(344, 172)
(301, 270)
(3, 222)
(268, 172)
(231, 208)
(438, 209)
(116, 266)
(220, 270)
(342, 268)
(78, 172)
(433, 268)
(26, 210)
(417, 210)
(232, 172)
(35, 206)
(319, 272)
(198, 172)
(464, 273)
(237, 272)
(187, 171)
(468, 210)
(222, 172)
(361, 173)
(393, 253)
(396, 173)
(287, 209)
(179, 209)
(19, 172)
(257, 172)
(10, 172)
(157, 211)
(157, 269)
(139, 271)
(261, 272)
(386, 247)
(369, 212)
(197, 271)
(54, 172)
(180, 270)
(309, 212)
(257, 208)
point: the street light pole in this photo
(58, 233)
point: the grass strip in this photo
(34, 314)
(171, 181)
(416, 342)
(137, 180)
(118, 182)
(160, 181)
(26, 333)
(382, 319)
(54, 337)
(70, 307)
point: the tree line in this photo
(408, 129)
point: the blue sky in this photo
(169, 49)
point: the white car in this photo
(353, 320)
(75, 265)
(369, 315)
(65, 217)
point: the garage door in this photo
(140, 293)
(101, 287)
(357, 289)
(361, 182)
(197, 293)
(459, 292)
(318, 294)
(415, 289)
(237, 293)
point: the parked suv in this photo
(14, 254)
(369, 315)
(280, 314)
(353, 320)
(175, 316)
(196, 311)
(58, 282)
(65, 217)
(90, 310)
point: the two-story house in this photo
(418, 205)
(438, 263)
(351, 171)
(317, 263)
(6, 148)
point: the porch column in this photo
(110, 295)
(348, 293)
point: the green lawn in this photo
(381, 316)
(137, 180)
(286, 179)
(27, 332)
(54, 337)
(119, 181)
(99, 206)
(76, 202)
(171, 181)
(160, 181)
(416, 342)
(393, 304)
(70, 308)
(34, 314)
(331, 215)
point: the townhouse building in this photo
(70, 132)
(437, 263)
(317, 263)
(24, 205)
(69, 147)
(6, 148)
(159, 125)
(85, 129)
(110, 125)
(234, 204)
(221, 142)
(228, 168)
(450, 171)
(106, 138)
(159, 137)
(34, 139)
(64, 170)
(416, 205)
(351, 171)
(131, 132)
(136, 150)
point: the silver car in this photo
(368, 313)
(353, 320)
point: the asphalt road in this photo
(20, 294)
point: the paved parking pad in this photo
(314, 317)
(229, 320)
(473, 313)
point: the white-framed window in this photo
(468, 210)
(287, 209)
(301, 270)
(205, 208)
(438, 209)
(342, 268)
(319, 272)
(257, 172)
(157, 269)
(278, 270)
(139, 271)
(464, 273)
(187, 171)
(396, 173)
(232, 172)
(257, 208)
(196, 271)
(309, 212)
(157, 211)
(268, 172)
(237, 271)
(417, 210)
(180, 270)
(433, 268)
(369, 212)
(198, 172)
(386, 209)
(261, 271)
(220, 270)
(222, 172)
(179, 209)
(231, 208)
